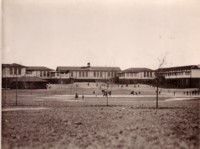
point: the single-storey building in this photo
(26, 83)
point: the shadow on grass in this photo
(159, 108)
(120, 106)
(77, 105)
(21, 105)
(142, 107)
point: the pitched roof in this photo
(67, 69)
(136, 70)
(188, 67)
(13, 65)
(37, 68)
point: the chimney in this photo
(88, 64)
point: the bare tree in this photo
(158, 74)
(109, 83)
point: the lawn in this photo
(128, 122)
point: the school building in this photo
(136, 75)
(24, 77)
(67, 74)
(182, 76)
(16, 75)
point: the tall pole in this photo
(16, 89)
(30, 84)
(60, 77)
(5, 88)
(70, 85)
(71, 72)
(3, 33)
(107, 93)
(157, 87)
(158, 75)
(156, 92)
(106, 75)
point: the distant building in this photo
(19, 76)
(39, 76)
(182, 76)
(136, 75)
(38, 71)
(13, 70)
(86, 73)
(25, 82)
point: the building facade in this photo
(34, 76)
(182, 76)
(40, 72)
(136, 75)
(19, 76)
(85, 74)
(13, 70)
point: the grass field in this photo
(53, 118)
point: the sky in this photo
(128, 33)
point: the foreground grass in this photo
(77, 125)
(89, 123)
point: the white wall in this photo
(139, 75)
(91, 75)
(6, 72)
(195, 73)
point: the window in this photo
(187, 73)
(11, 70)
(144, 74)
(127, 74)
(79, 74)
(108, 74)
(28, 72)
(86, 74)
(111, 74)
(19, 72)
(94, 74)
(147, 74)
(83, 74)
(72, 74)
(15, 70)
(41, 73)
(100, 74)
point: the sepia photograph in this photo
(100, 74)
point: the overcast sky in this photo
(124, 33)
